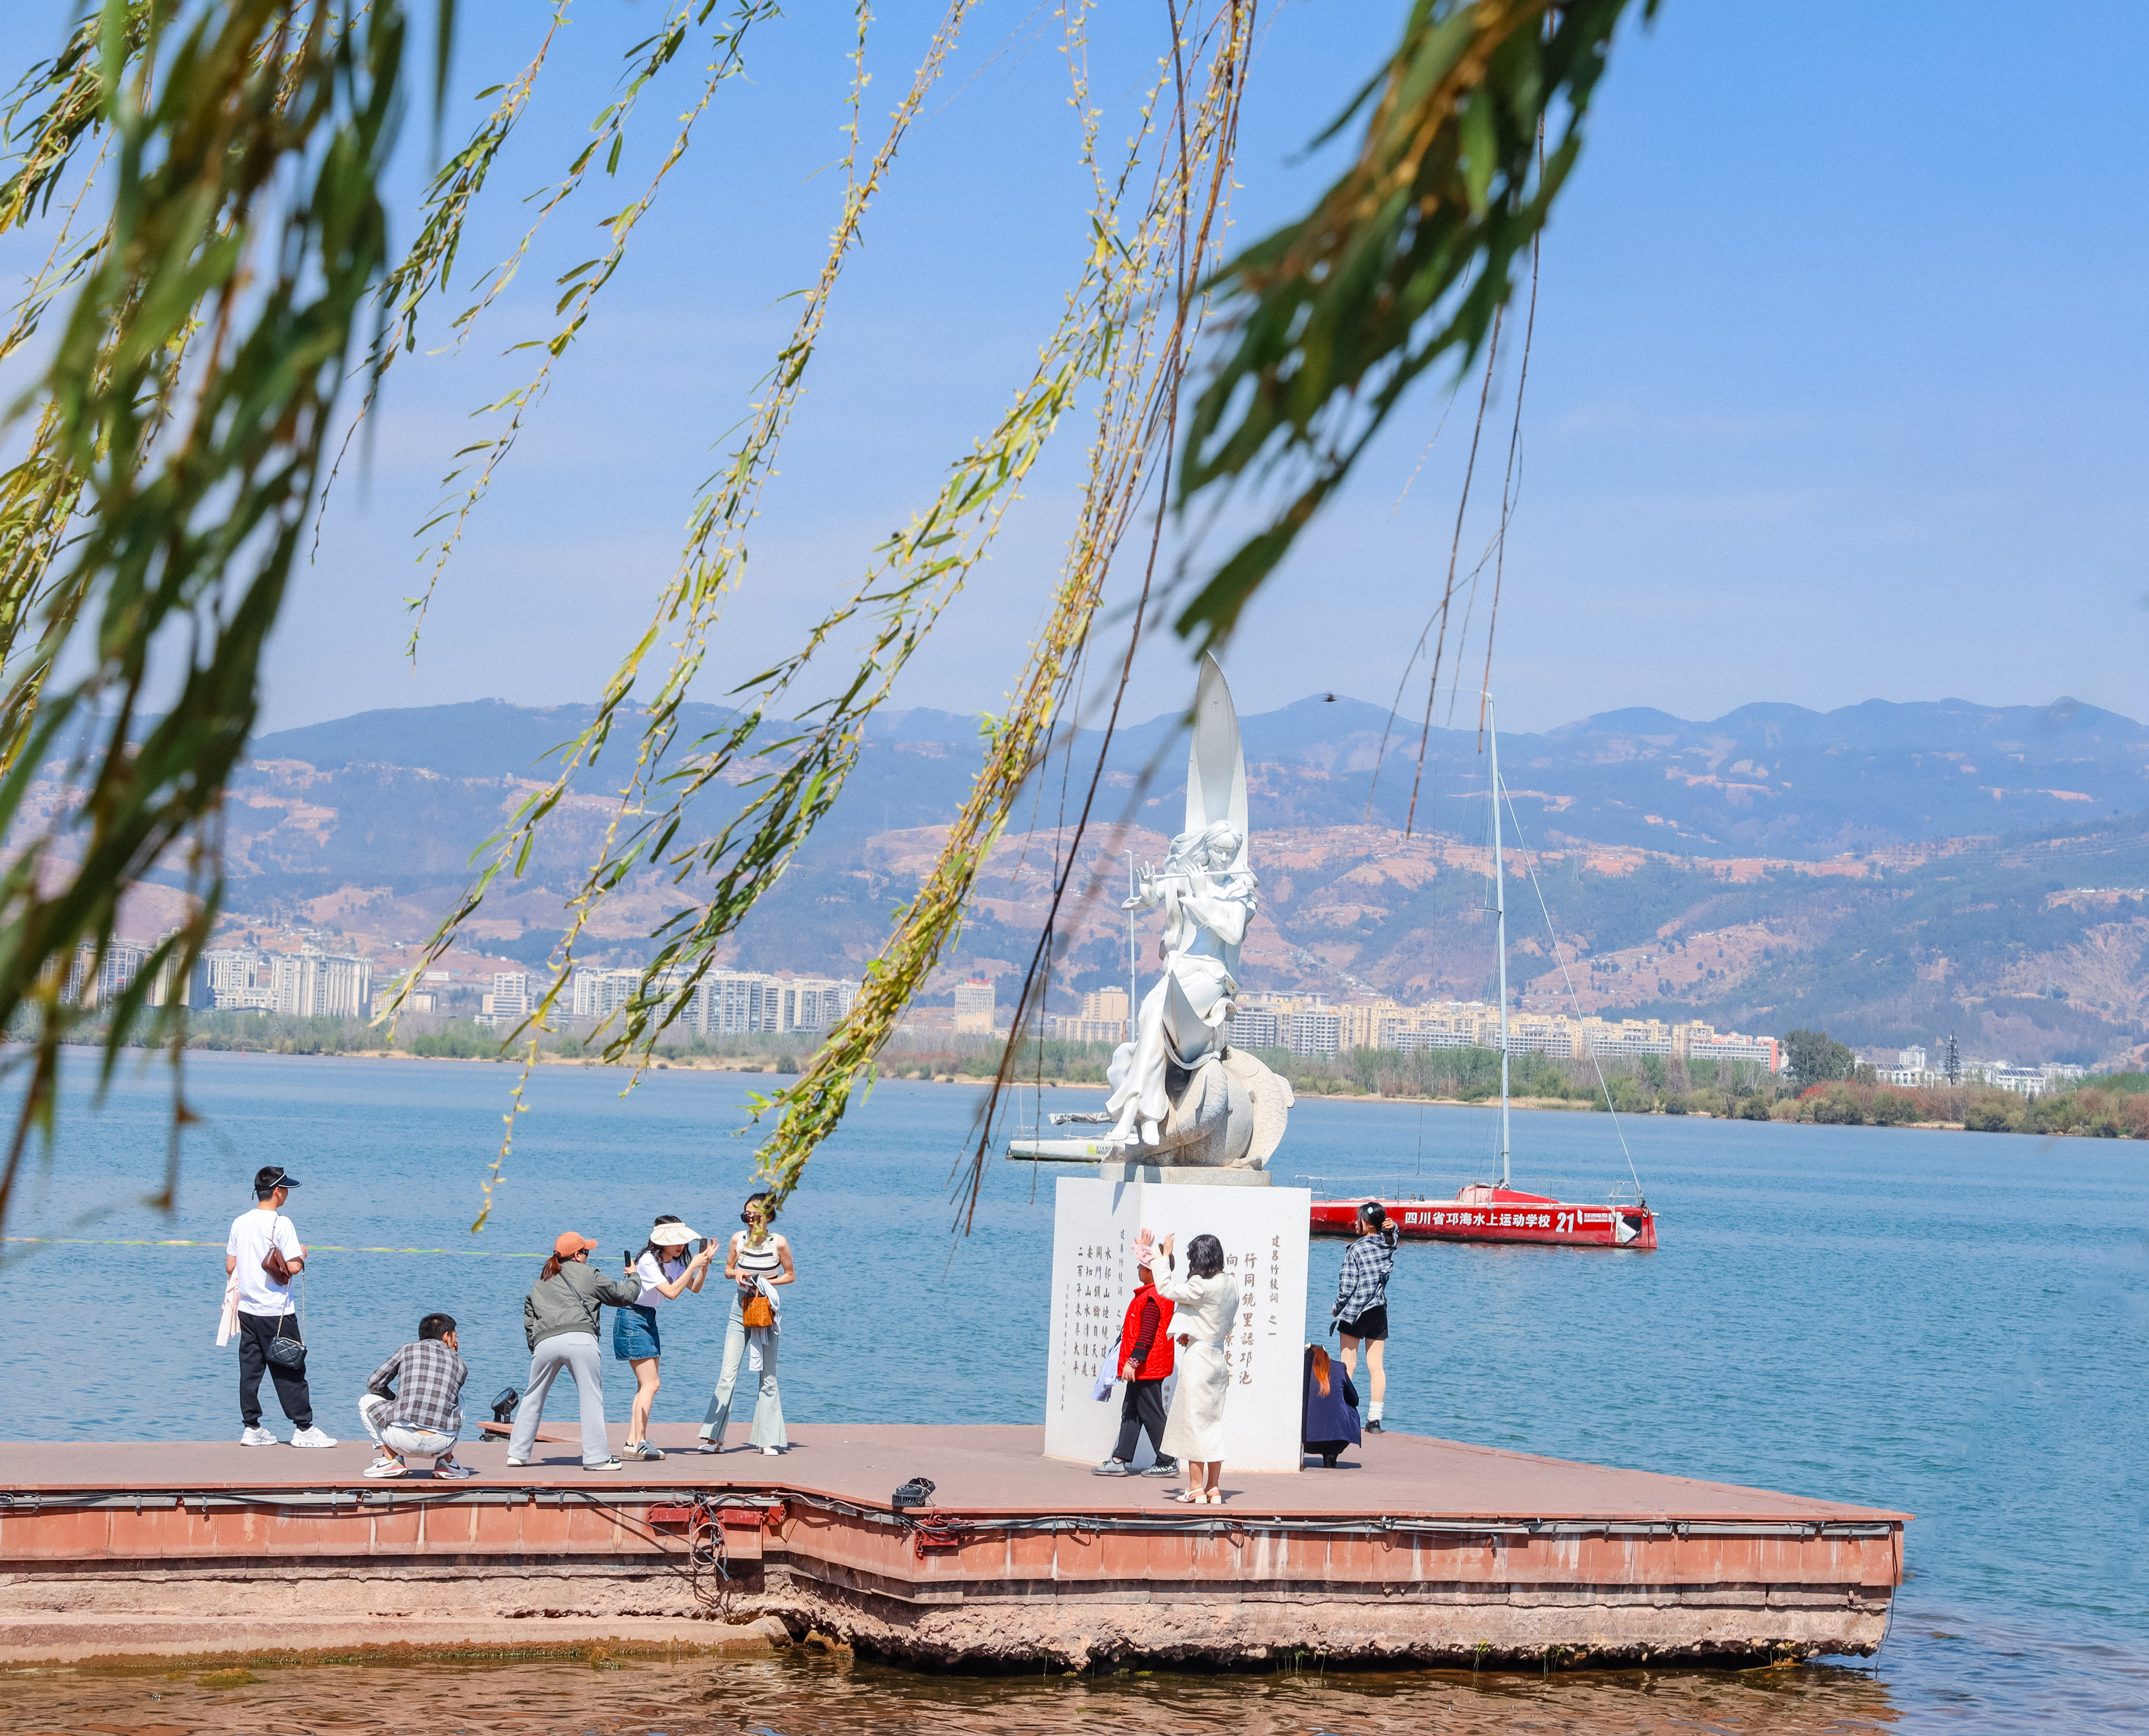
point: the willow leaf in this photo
(1399, 267)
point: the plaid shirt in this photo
(1364, 1282)
(431, 1397)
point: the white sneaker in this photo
(518, 1464)
(772, 1452)
(258, 1437)
(311, 1437)
(387, 1467)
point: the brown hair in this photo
(551, 1269)
(1320, 1370)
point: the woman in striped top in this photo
(759, 1261)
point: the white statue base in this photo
(1263, 1231)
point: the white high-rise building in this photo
(741, 1000)
(310, 984)
(595, 993)
(231, 978)
(975, 1006)
(724, 1002)
(1314, 1030)
(508, 1004)
(813, 1003)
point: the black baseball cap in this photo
(267, 1180)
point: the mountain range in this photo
(1768, 780)
(1890, 870)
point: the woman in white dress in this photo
(1207, 1309)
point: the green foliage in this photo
(1402, 264)
(1814, 1058)
(247, 139)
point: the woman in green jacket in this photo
(560, 1320)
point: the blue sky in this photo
(1835, 396)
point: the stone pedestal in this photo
(1263, 1228)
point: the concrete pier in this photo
(1415, 1550)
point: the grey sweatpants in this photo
(576, 1352)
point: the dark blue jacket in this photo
(1332, 1415)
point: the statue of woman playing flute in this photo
(1207, 903)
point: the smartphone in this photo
(628, 1257)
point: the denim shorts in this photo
(634, 1334)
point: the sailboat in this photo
(1497, 1210)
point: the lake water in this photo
(1955, 1325)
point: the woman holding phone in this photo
(666, 1267)
(1207, 1308)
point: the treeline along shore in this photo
(2114, 1106)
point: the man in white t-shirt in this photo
(264, 1304)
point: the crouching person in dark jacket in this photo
(1145, 1364)
(1328, 1416)
(413, 1404)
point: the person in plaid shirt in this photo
(425, 1415)
(1360, 1313)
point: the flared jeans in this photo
(768, 1408)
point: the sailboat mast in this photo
(1500, 908)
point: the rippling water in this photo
(1957, 1325)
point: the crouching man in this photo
(425, 1415)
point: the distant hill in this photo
(1765, 780)
(1891, 871)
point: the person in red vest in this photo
(1145, 1364)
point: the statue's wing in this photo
(1215, 764)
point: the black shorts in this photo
(1373, 1324)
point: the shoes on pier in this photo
(1163, 1467)
(311, 1437)
(452, 1467)
(387, 1467)
(774, 1453)
(1112, 1468)
(518, 1464)
(258, 1437)
(641, 1450)
(1373, 1427)
(710, 1446)
(605, 1464)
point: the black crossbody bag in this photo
(289, 1352)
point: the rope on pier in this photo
(312, 1248)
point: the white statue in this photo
(1178, 1088)
(1209, 896)
(1181, 1095)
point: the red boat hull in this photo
(1501, 1215)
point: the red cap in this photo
(569, 1244)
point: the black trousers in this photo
(1141, 1408)
(254, 1332)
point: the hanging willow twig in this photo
(177, 445)
(431, 262)
(1401, 265)
(249, 142)
(581, 282)
(712, 564)
(1140, 383)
